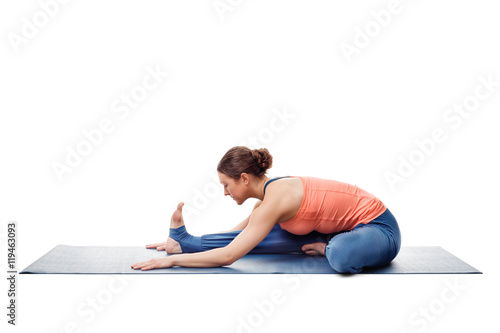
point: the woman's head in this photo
(240, 159)
(241, 169)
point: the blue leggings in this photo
(367, 245)
(373, 244)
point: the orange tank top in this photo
(330, 206)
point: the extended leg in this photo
(277, 241)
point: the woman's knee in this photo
(342, 258)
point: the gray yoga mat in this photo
(64, 259)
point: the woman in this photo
(348, 225)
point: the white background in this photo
(228, 75)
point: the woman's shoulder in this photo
(278, 185)
(284, 189)
(285, 195)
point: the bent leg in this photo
(373, 244)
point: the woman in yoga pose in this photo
(348, 225)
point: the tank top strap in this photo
(272, 180)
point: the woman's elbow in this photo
(228, 259)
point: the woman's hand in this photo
(153, 263)
(158, 246)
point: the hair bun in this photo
(263, 159)
(241, 159)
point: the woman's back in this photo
(324, 205)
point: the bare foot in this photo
(173, 246)
(314, 249)
(176, 221)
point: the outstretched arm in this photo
(261, 221)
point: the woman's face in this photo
(234, 188)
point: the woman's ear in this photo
(245, 177)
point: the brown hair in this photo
(241, 159)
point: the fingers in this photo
(155, 245)
(145, 265)
(147, 268)
(152, 264)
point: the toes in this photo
(314, 248)
(307, 247)
(177, 215)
